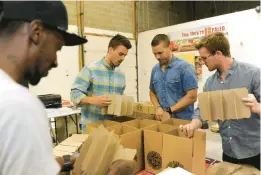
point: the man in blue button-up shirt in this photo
(240, 137)
(173, 83)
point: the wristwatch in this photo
(68, 166)
(168, 110)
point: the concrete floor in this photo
(213, 145)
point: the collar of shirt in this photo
(231, 69)
(106, 65)
(171, 64)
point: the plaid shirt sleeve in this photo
(80, 86)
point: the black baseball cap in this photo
(52, 14)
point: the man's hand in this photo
(165, 116)
(159, 113)
(122, 167)
(252, 103)
(99, 101)
(190, 128)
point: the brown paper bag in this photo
(223, 104)
(99, 151)
(130, 137)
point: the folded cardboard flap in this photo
(141, 123)
(121, 129)
(176, 122)
(163, 128)
(223, 104)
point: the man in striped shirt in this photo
(99, 78)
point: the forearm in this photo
(154, 99)
(183, 103)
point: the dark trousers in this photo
(254, 161)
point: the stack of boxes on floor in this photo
(159, 145)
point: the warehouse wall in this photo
(117, 15)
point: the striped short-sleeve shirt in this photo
(96, 79)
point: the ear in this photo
(219, 53)
(36, 31)
(170, 47)
(110, 50)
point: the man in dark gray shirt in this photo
(240, 138)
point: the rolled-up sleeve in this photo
(80, 86)
(189, 78)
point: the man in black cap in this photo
(31, 33)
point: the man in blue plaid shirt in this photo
(99, 78)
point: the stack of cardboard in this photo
(70, 145)
(144, 110)
(121, 105)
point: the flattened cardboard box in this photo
(94, 125)
(166, 146)
(223, 104)
(226, 168)
(141, 124)
(130, 137)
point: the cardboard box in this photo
(176, 122)
(120, 105)
(144, 107)
(105, 123)
(130, 137)
(143, 115)
(226, 168)
(166, 146)
(140, 124)
(223, 104)
(121, 119)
